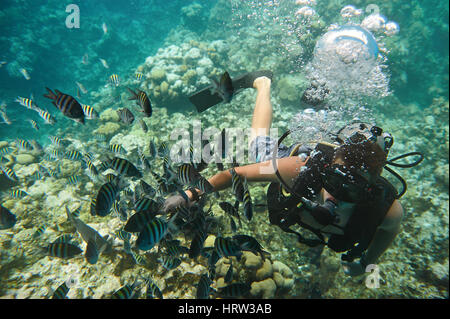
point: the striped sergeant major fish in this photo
(126, 292)
(187, 175)
(4, 150)
(62, 250)
(18, 193)
(39, 231)
(74, 155)
(235, 290)
(105, 198)
(119, 211)
(204, 287)
(249, 243)
(139, 259)
(89, 112)
(237, 186)
(34, 124)
(61, 291)
(139, 75)
(55, 154)
(46, 116)
(37, 175)
(144, 163)
(137, 221)
(143, 125)
(24, 145)
(114, 80)
(7, 219)
(28, 103)
(248, 206)
(145, 204)
(73, 180)
(169, 262)
(152, 290)
(125, 115)
(152, 233)
(125, 167)
(227, 247)
(9, 173)
(205, 186)
(67, 105)
(117, 148)
(89, 156)
(142, 100)
(56, 141)
(231, 210)
(91, 167)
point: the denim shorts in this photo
(261, 149)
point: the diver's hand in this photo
(173, 202)
(353, 269)
(262, 83)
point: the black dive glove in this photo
(173, 202)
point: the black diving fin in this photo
(210, 96)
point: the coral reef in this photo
(176, 60)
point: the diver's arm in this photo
(289, 167)
(385, 233)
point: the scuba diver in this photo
(334, 190)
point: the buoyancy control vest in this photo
(285, 208)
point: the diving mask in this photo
(357, 132)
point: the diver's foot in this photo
(262, 83)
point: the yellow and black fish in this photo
(152, 233)
(125, 115)
(24, 145)
(248, 206)
(67, 105)
(89, 112)
(114, 80)
(187, 175)
(34, 124)
(139, 75)
(74, 155)
(61, 291)
(142, 100)
(125, 167)
(105, 198)
(7, 219)
(125, 292)
(18, 193)
(62, 250)
(117, 148)
(46, 116)
(28, 103)
(9, 173)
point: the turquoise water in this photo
(178, 46)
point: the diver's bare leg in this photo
(262, 114)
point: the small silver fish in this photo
(25, 74)
(105, 64)
(85, 59)
(81, 86)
